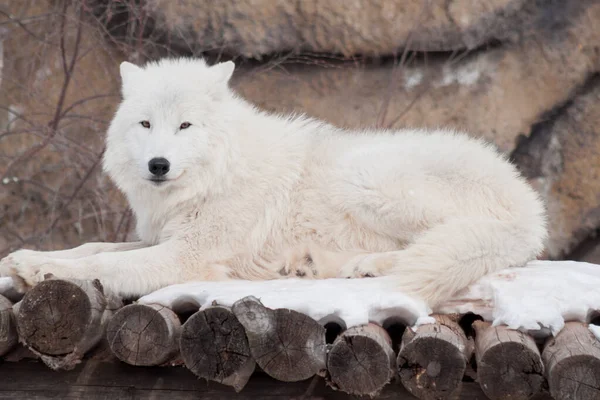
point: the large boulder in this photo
(498, 93)
(255, 28)
(562, 159)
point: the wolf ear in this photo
(128, 69)
(224, 71)
(128, 72)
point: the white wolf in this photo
(221, 190)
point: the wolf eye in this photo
(184, 125)
(145, 124)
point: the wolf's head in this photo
(170, 133)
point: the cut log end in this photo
(8, 329)
(144, 335)
(361, 360)
(56, 317)
(572, 362)
(286, 344)
(433, 359)
(213, 346)
(509, 364)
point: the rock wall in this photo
(523, 75)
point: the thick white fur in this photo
(257, 196)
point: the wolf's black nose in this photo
(159, 166)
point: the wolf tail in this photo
(455, 254)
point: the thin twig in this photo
(85, 178)
(53, 125)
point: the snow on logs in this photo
(61, 320)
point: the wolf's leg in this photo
(311, 261)
(451, 256)
(85, 250)
(459, 223)
(130, 273)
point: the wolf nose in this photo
(159, 166)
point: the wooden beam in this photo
(93, 380)
(60, 320)
(286, 344)
(361, 360)
(509, 364)
(214, 346)
(433, 359)
(8, 329)
(141, 334)
(572, 360)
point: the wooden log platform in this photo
(509, 364)
(140, 334)
(433, 359)
(8, 329)
(287, 345)
(95, 380)
(361, 360)
(214, 346)
(60, 320)
(572, 361)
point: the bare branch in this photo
(75, 192)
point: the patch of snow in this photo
(467, 73)
(7, 180)
(42, 73)
(354, 301)
(538, 298)
(6, 284)
(412, 78)
(13, 112)
(595, 330)
(7, 289)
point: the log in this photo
(60, 320)
(214, 346)
(144, 334)
(572, 361)
(361, 360)
(8, 329)
(334, 326)
(287, 345)
(432, 360)
(509, 364)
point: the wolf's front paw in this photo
(298, 262)
(367, 266)
(28, 269)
